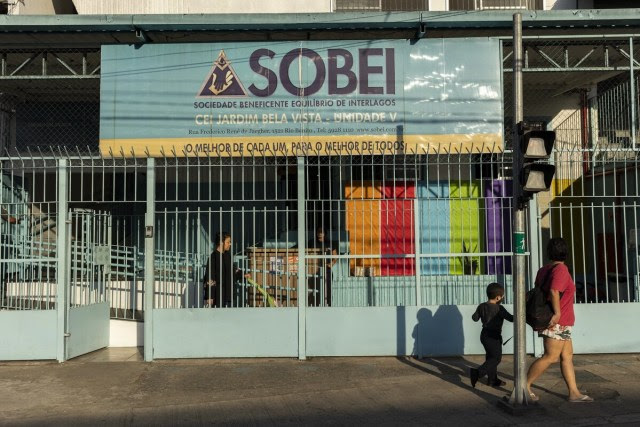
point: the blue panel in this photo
(444, 330)
(28, 335)
(434, 226)
(606, 328)
(233, 332)
(89, 329)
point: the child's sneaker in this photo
(474, 375)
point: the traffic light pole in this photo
(520, 394)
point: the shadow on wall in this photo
(439, 334)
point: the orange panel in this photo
(365, 191)
(363, 225)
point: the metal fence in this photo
(586, 90)
(365, 217)
(28, 227)
(410, 229)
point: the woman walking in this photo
(556, 279)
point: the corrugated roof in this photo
(101, 29)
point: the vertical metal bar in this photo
(44, 63)
(61, 244)
(519, 395)
(633, 94)
(416, 246)
(149, 277)
(534, 246)
(302, 267)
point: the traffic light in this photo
(536, 173)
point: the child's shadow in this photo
(441, 334)
(437, 337)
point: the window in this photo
(381, 5)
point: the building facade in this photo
(131, 141)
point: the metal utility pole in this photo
(519, 395)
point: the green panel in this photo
(466, 221)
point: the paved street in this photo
(114, 387)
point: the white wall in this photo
(88, 7)
(40, 7)
(437, 5)
(568, 4)
(126, 333)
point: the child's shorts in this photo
(557, 332)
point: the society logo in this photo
(222, 80)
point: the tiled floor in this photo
(113, 354)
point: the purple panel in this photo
(498, 228)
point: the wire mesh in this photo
(49, 98)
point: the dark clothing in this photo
(492, 315)
(492, 344)
(326, 248)
(220, 270)
(326, 245)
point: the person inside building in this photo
(220, 275)
(323, 245)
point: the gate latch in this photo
(102, 255)
(148, 232)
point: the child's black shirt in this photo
(492, 315)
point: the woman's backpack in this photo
(539, 311)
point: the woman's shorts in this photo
(557, 332)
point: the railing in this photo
(442, 5)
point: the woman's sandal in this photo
(583, 399)
(533, 397)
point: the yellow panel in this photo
(303, 145)
(571, 219)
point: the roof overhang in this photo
(101, 29)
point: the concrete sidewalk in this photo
(114, 387)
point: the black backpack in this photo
(539, 310)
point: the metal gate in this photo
(31, 320)
(88, 262)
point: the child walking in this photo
(492, 315)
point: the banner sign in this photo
(301, 98)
